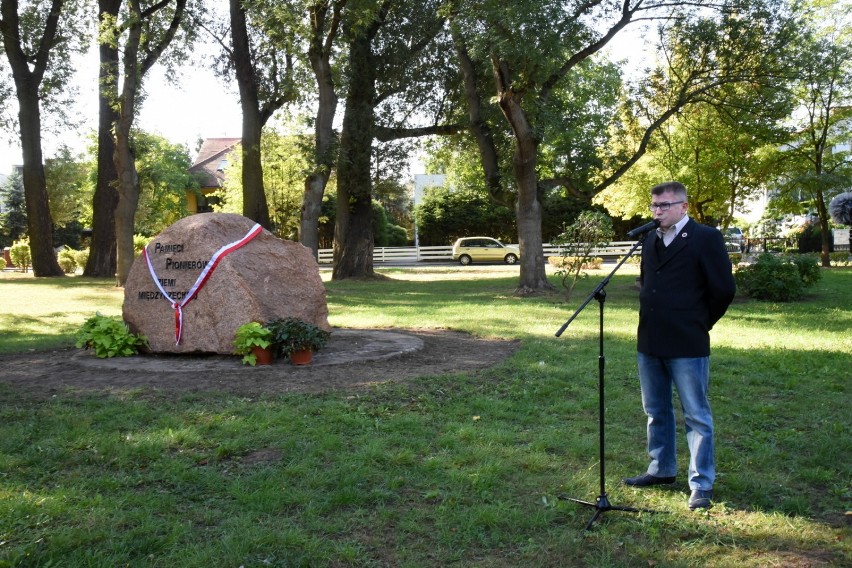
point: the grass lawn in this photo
(461, 470)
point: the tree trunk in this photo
(27, 76)
(254, 196)
(39, 222)
(353, 234)
(533, 277)
(128, 200)
(102, 253)
(125, 161)
(825, 230)
(324, 137)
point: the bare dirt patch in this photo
(353, 359)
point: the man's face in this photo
(674, 214)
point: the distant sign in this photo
(841, 236)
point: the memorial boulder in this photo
(207, 274)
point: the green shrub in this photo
(140, 242)
(19, 252)
(841, 258)
(109, 337)
(736, 258)
(81, 257)
(2, 263)
(569, 262)
(778, 278)
(66, 260)
(808, 265)
(590, 230)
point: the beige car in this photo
(484, 249)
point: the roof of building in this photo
(209, 165)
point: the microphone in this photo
(643, 229)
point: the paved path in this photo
(344, 346)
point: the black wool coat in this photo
(684, 292)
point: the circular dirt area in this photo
(352, 359)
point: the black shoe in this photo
(647, 480)
(700, 499)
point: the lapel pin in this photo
(683, 235)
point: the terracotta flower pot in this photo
(302, 357)
(264, 356)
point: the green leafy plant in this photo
(591, 230)
(249, 335)
(67, 260)
(19, 253)
(2, 263)
(109, 337)
(292, 334)
(779, 278)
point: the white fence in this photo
(612, 251)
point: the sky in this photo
(201, 106)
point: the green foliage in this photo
(109, 337)
(284, 168)
(19, 253)
(68, 187)
(81, 257)
(445, 215)
(808, 267)
(13, 221)
(249, 335)
(840, 258)
(164, 179)
(385, 233)
(2, 263)
(67, 260)
(292, 334)
(778, 278)
(592, 229)
(139, 242)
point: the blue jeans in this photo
(691, 377)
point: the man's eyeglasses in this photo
(664, 206)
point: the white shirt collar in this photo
(669, 236)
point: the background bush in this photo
(67, 260)
(778, 278)
(20, 255)
(81, 257)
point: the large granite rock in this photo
(266, 278)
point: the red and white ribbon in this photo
(202, 278)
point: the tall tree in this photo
(542, 48)
(261, 54)
(816, 162)
(147, 31)
(722, 150)
(13, 220)
(324, 18)
(395, 60)
(37, 43)
(102, 250)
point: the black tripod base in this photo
(602, 505)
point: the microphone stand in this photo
(601, 504)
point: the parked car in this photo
(734, 239)
(484, 249)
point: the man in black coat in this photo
(686, 287)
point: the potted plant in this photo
(253, 341)
(296, 339)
